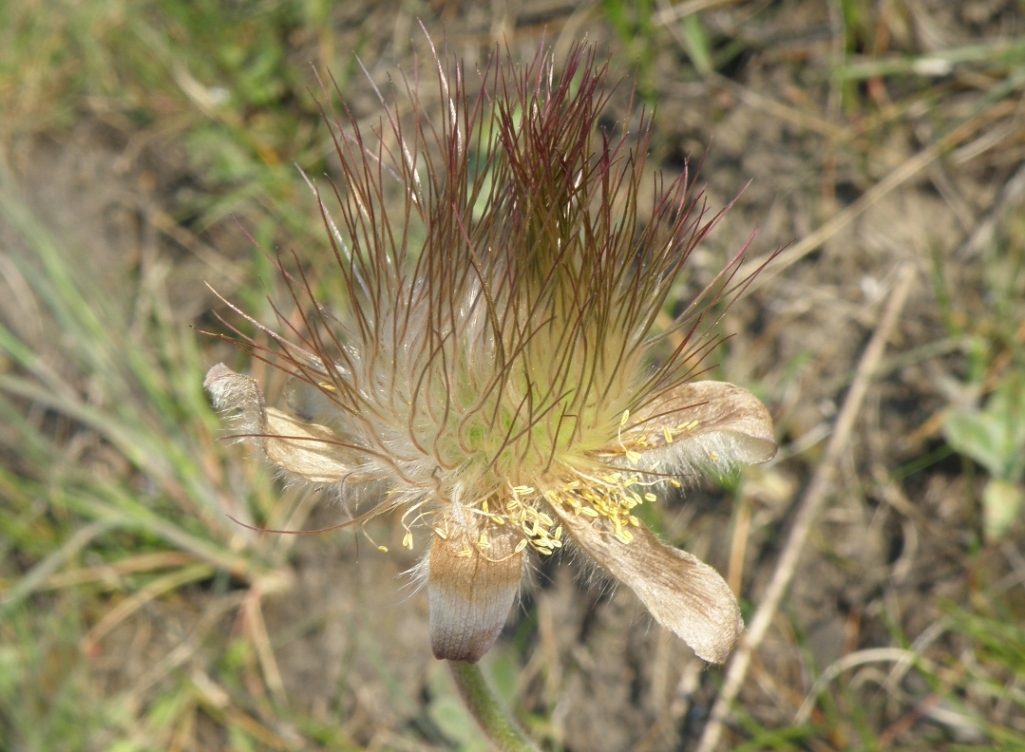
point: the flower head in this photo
(490, 370)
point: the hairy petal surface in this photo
(684, 594)
(700, 424)
(471, 584)
(306, 449)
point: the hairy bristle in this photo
(500, 290)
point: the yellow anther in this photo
(407, 540)
(667, 435)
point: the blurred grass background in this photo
(147, 145)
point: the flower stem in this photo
(494, 721)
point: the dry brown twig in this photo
(808, 509)
(1010, 196)
(890, 182)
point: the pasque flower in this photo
(489, 371)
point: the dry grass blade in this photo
(45, 569)
(261, 640)
(894, 179)
(811, 503)
(1010, 196)
(166, 584)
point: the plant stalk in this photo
(498, 726)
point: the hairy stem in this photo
(480, 700)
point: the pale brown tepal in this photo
(490, 370)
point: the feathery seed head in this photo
(491, 365)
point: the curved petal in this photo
(309, 450)
(683, 593)
(471, 583)
(700, 423)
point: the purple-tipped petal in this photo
(684, 594)
(471, 590)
